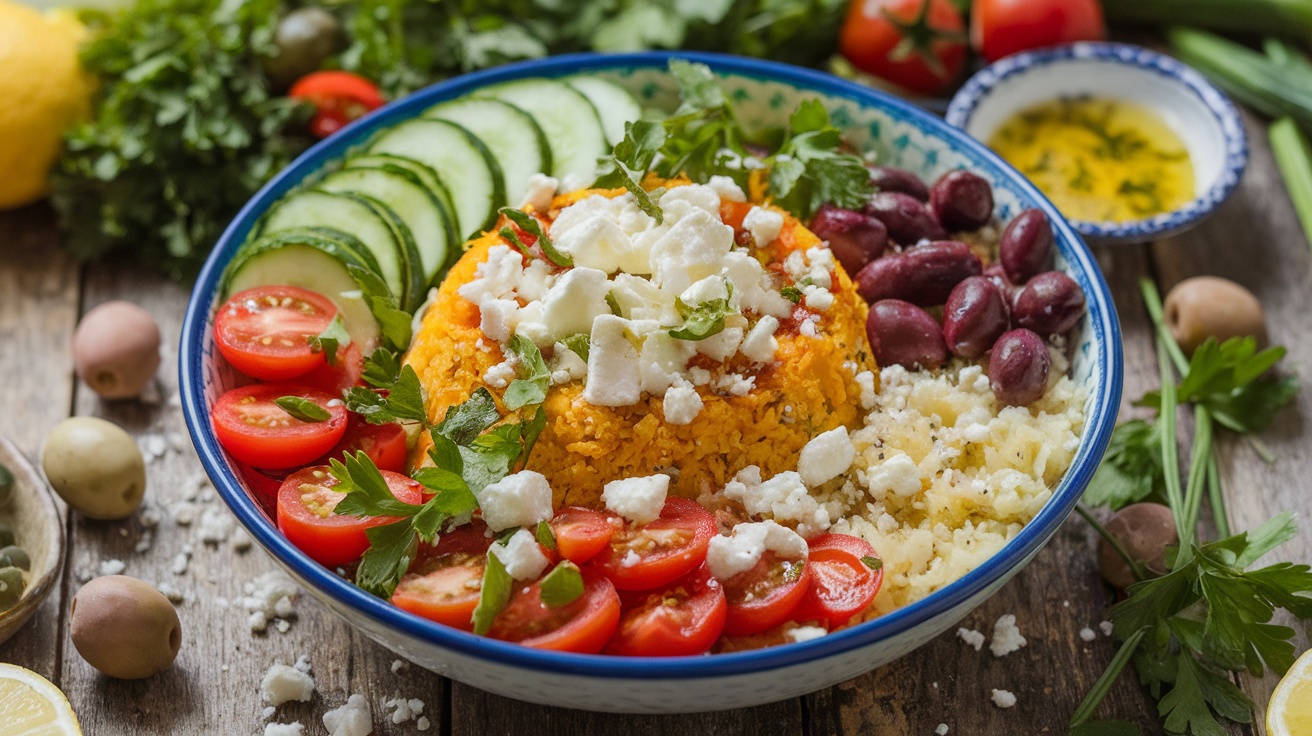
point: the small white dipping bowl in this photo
(1201, 115)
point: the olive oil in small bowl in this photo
(1130, 144)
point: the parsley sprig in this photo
(1209, 615)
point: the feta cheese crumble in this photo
(729, 555)
(282, 684)
(521, 555)
(354, 718)
(783, 498)
(682, 403)
(973, 638)
(519, 499)
(827, 456)
(284, 729)
(1003, 698)
(1006, 637)
(639, 500)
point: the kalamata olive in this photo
(124, 627)
(304, 38)
(923, 275)
(855, 237)
(961, 201)
(95, 467)
(998, 275)
(11, 587)
(15, 556)
(890, 179)
(1207, 306)
(974, 317)
(1050, 304)
(1144, 531)
(908, 220)
(903, 334)
(1018, 368)
(116, 349)
(1026, 246)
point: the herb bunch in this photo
(1209, 615)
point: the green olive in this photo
(1144, 531)
(124, 627)
(95, 467)
(15, 556)
(11, 587)
(305, 38)
(1207, 306)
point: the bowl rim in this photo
(1099, 421)
(1121, 55)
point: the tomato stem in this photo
(919, 37)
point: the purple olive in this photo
(855, 238)
(998, 275)
(1026, 246)
(1050, 304)
(923, 275)
(903, 334)
(1144, 531)
(962, 201)
(908, 220)
(974, 318)
(890, 179)
(1018, 368)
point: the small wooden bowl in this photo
(39, 526)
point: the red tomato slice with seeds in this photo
(383, 443)
(581, 534)
(343, 373)
(265, 332)
(842, 586)
(258, 432)
(444, 584)
(583, 625)
(766, 595)
(651, 555)
(683, 618)
(305, 515)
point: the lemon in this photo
(44, 90)
(32, 706)
(1289, 713)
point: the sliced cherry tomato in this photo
(683, 618)
(846, 542)
(338, 98)
(842, 584)
(918, 45)
(305, 515)
(1004, 27)
(383, 443)
(445, 582)
(766, 595)
(651, 555)
(582, 534)
(583, 625)
(258, 432)
(265, 332)
(343, 373)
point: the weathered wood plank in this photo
(38, 310)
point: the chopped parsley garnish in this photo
(792, 294)
(579, 344)
(303, 409)
(530, 224)
(497, 585)
(333, 337)
(562, 586)
(392, 320)
(534, 377)
(703, 320)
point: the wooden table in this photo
(214, 686)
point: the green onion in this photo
(1293, 157)
(1273, 86)
(1291, 18)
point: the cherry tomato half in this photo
(343, 373)
(444, 584)
(305, 515)
(258, 432)
(582, 534)
(583, 625)
(766, 595)
(338, 98)
(918, 45)
(383, 443)
(651, 555)
(842, 585)
(683, 618)
(265, 332)
(1004, 27)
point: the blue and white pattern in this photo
(1194, 107)
(904, 136)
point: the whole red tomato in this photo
(918, 45)
(338, 98)
(1004, 27)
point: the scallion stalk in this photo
(1259, 81)
(1289, 18)
(1294, 158)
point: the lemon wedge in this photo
(33, 706)
(1289, 713)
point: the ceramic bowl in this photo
(30, 509)
(1201, 115)
(765, 93)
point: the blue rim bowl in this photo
(676, 684)
(1116, 69)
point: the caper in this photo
(124, 627)
(305, 38)
(1208, 306)
(15, 556)
(95, 467)
(11, 587)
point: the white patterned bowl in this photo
(1201, 115)
(765, 93)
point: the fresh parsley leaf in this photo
(1184, 708)
(813, 166)
(303, 409)
(561, 586)
(491, 455)
(394, 322)
(531, 432)
(453, 500)
(530, 224)
(497, 585)
(792, 294)
(382, 369)
(546, 536)
(464, 422)
(1229, 379)
(872, 562)
(579, 344)
(445, 453)
(367, 492)
(1131, 470)
(333, 337)
(703, 320)
(534, 377)
(391, 548)
(404, 401)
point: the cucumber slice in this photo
(569, 121)
(613, 103)
(430, 181)
(456, 156)
(367, 220)
(401, 192)
(314, 259)
(510, 134)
